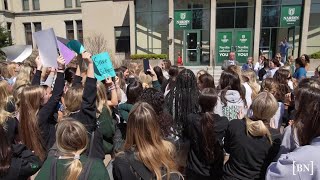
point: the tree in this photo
(5, 40)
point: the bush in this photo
(315, 55)
(149, 56)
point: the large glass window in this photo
(37, 26)
(69, 29)
(5, 5)
(68, 3)
(25, 5)
(28, 33)
(314, 28)
(235, 14)
(152, 26)
(122, 37)
(36, 4)
(79, 31)
(78, 3)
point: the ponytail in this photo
(207, 124)
(257, 128)
(74, 169)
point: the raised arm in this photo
(77, 78)
(37, 76)
(113, 89)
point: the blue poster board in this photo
(103, 67)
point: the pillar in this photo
(305, 27)
(257, 29)
(213, 32)
(171, 31)
(132, 27)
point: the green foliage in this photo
(5, 40)
(315, 55)
(149, 56)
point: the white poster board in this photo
(48, 48)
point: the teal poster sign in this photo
(103, 67)
(243, 46)
(224, 43)
(182, 20)
(290, 16)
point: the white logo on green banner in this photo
(224, 40)
(182, 20)
(183, 16)
(290, 16)
(243, 39)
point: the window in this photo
(79, 31)
(28, 33)
(36, 4)
(122, 37)
(9, 30)
(78, 3)
(313, 44)
(68, 3)
(37, 26)
(6, 5)
(69, 29)
(25, 5)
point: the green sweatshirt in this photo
(106, 127)
(124, 110)
(97, 170)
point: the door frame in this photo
(185, 62)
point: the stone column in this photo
(171, 31)
(305, 27)
(257, 30)
(213, 32)
(132, 27)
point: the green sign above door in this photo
(290, 16)
(243, 46)
(224, 43)
(182, 20)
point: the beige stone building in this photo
(202, 32)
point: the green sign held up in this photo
(182, 20)
(290, 16)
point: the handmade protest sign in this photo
(103, 67)
(17, 53)
(67, 54)
(48, 47)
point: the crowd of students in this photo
(166, 123)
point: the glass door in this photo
(192, 47)
(291, 40)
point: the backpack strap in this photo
(53, 171)
(86, 170)
(138, 167)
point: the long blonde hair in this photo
(252, 82)
(73, 99)
(12, 69)
(146, 80)
(71, 140)
(101, 98)
(264, 108)
(143, 133)
(4, 99)
(24, 77)
(30, 102)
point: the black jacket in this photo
(87, 115)
(23, 164)
(46, 119)
(197, 161)
(249, 156)
(11, 128)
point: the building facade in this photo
(202, 32)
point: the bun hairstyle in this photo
(264, 108)
(72, 140)
(146, 80)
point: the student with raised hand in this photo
(308, 133)
(80, 104)
(206, 131)
(146, 154)
(251, 143)
(17, 162)
(37, 129)
(71, 162)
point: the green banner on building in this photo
(224, 43)
(182, 20)
(290, 16)
(243, 46)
